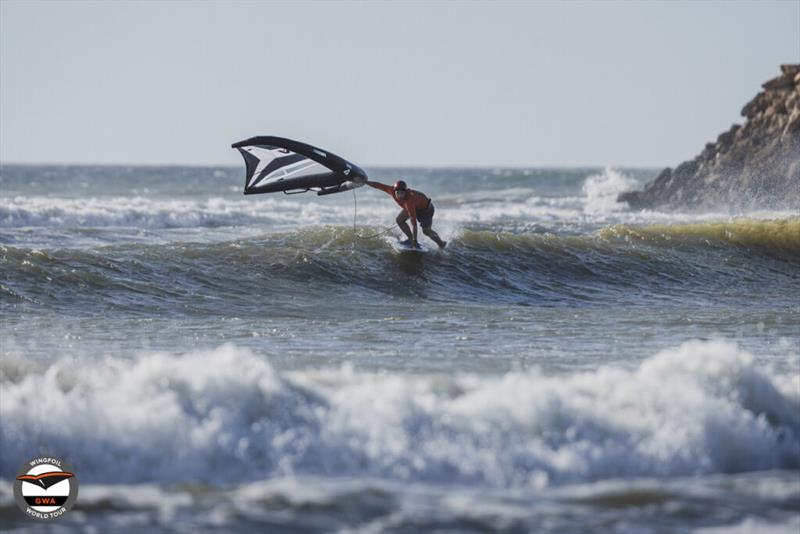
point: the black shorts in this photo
(425, 217)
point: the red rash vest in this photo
(413, 201)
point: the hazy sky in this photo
(509, 84)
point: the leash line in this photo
(355, 225)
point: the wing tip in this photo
(261, 140)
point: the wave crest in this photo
(227, 415)
(782, 235)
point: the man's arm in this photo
(383, 187)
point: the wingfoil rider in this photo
(416, 206)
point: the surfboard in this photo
(405, 247)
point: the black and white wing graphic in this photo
(45, 480)
(277, 164)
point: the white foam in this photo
(226, 415)
(143, 212)
(601, 191)
(755, 525)
(519, 206)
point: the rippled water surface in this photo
(231, 362)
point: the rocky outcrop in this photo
(755, 165)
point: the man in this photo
(416, 206)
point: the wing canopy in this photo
(275, 164)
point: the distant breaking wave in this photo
(227, 415)
(596, 204)
(151, 213)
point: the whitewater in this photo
(206, 361)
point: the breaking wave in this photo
(602, 190)
(226, 415)
(771, 235)
(153, 213)
(616, 264)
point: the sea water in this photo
(206, 361)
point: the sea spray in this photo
(601, 191)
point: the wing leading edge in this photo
(276, 164)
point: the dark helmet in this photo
(400, 185)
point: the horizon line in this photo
(376, 166)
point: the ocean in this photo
(210, 362)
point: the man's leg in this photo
(401, 219)
(428, 231)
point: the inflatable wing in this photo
(277, 164)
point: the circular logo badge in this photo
(45, 488)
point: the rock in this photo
(687, 168)
(726, 138)
(753, 165)
(784, 80)
(791, 102)
(758, 103)
(790, 69)
(793, 124)
(665, 175)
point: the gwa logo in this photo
(45, 489)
